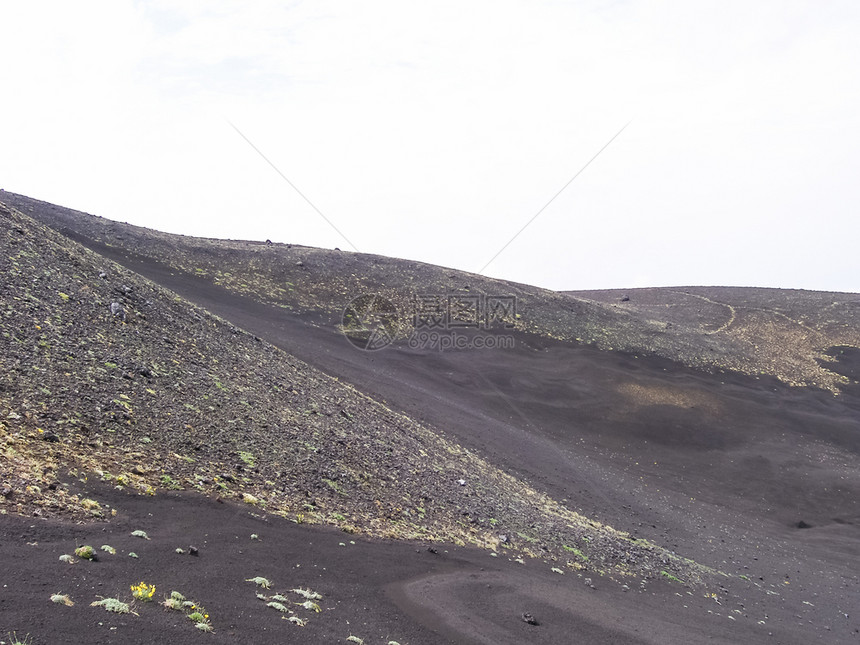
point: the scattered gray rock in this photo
(117, 310)
(528, 618)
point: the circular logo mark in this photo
(370, 322)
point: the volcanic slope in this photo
(786, 334)
(155, 388)
(107, 376)
(740, 471)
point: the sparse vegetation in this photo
(85, 552)
(112, 605)
(579, 554)
(167, 481)
(193, 610)
(307, 594)
(173, 601)
(309, 605)
(140, 534)
(260, 581)
(62, 599)
(670, 577)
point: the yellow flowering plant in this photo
(143, 591)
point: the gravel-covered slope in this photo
(104, 374)
(787, 334)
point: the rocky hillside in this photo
(104, 374)
(789, 335)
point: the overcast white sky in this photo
(434, 131)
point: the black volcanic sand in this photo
(378, 591)
(745, 475)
